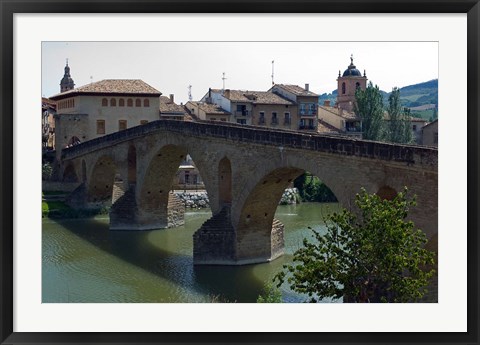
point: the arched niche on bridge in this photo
(69, 173)
(257, 213)
(159, 178)
(387, 193)
(102, 178)
(132, 165)
(224, 182)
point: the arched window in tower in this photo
(104, 102)
(138, 102)
(146, 102)
(121, 102)
(343, 88)
(113, 102)
(129, 102)
(357, 85)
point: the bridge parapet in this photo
(409, 154)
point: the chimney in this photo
(326, 103)
(171, 97)
(307, 86)
(208, 99)
(227, 93)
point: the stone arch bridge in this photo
(245, 171)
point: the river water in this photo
(83, 261)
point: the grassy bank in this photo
(59, 210)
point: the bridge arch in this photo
(386, 192)
(102, 179)
(132, 165)
(256, 230)
(84, 171)
(225, 182)
(70, 173)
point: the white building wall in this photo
(92, 105)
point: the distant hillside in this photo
(422, 98)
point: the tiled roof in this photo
(344, 113)
(296, 90)
(169, 107)
(210, 109)
(324, 127)
(112, 86)
(254, 97)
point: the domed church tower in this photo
(347, 84)
(67, 82)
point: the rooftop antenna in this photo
(273, 64)
(91, 79)
(189, 92)
(223, 79)
(67, 61)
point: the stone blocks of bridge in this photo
(216, 243)
(125, 214)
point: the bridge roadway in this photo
(245, 170)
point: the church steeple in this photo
(67, 82)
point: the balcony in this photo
(306, 127)
(242, 113)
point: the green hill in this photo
(422, 98)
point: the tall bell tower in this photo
(67, 82)
(348, 83)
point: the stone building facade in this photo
(430, 134)
(306, 103)
(49, 109)
(103, 107)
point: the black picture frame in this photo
(9, 7)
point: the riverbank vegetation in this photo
(372, 254)
(58, 209)
(312, 189)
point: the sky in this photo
(171, 67)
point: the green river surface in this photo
(83, 261)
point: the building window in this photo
(302, 109)
(274, 118)
(146, 103)
(357, 85)
(138, 102)
(242, 121)
(121, 102)
(113, 102)
(100, 126)
(129, 102)
(122, 125)
(287, 119)
(104, 102)
(143, 122)
(414, 127)
(261, 120)
(223, 119)
(343, 88)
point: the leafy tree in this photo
(47, 171)
(270, 295)
(312, 189)
(398, 129)
(371, 255)
(369, 106)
